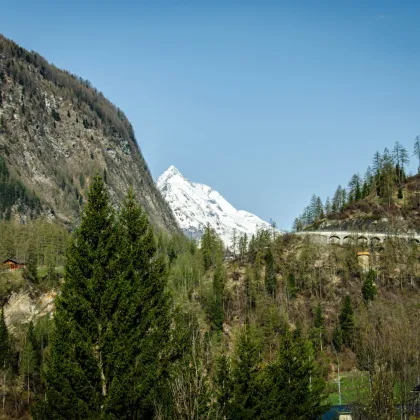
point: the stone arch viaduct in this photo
(362, 238)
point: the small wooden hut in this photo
(13, 264)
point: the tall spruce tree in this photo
(29, 362)
(243, 247)
(416, 152)
(327, 206)
(51, 261)
(30, 273)
(291, 286)
(293, 385)
(111, 319)
(250, 289)
(211, 247)
(337, 338)
(337, 201)
(75, 381)
(355, 192)
(222, 379)
(5, 356)
(245, 391)
(257, 266)
(318, 332)
(297, 224)
(347, 321)
(137, 310)
(369, 290)
(217, 314)
(270, 274)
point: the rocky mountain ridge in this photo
(194, 205)
(56, 133)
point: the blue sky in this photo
(267, 102)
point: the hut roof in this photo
(14, 261)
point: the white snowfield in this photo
(195, 205)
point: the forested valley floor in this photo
(148, 325)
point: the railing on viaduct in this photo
(362, 238)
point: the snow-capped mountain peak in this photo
(171, 172)
(195, 205)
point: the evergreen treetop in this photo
(347, 321)
(106, 353)
(5, 345)
(293, 386)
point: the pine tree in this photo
(377, 166)
(377, 162)
(217, 314)
(51, 260)
(327, 206)
(137, 313)
(111, 320)
(297, 224)
(347, 321)
(369, 290)
(343, 199)
(293, 385)
(307, 216)
(417, 151)
(75, 380)
(365, 189)
(250, 289)
(243, 246)
(313, 208)
(234, 242)
(270, 274)
(252, 250)
(244, 395)
(211, 247)
(319, 317)
(29, 362)
(336, 201)
(319, 327)
(368, 181)
(355, 187)
(257, 267)
(273, 226)
(30, 272)
(388, 177)
(337, 338)
(223, 384)
(291, 286)
(319, 209)
(5, 356)
(400, 160)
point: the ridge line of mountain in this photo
(195, 205)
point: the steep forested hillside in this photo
(14, 193)
(265, 333)
(56, 132)
(384, 200)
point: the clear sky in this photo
(267, 102)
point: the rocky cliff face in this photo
(56, 133)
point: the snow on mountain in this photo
(195, 205)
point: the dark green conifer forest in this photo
(14, 193)
(148, 325)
